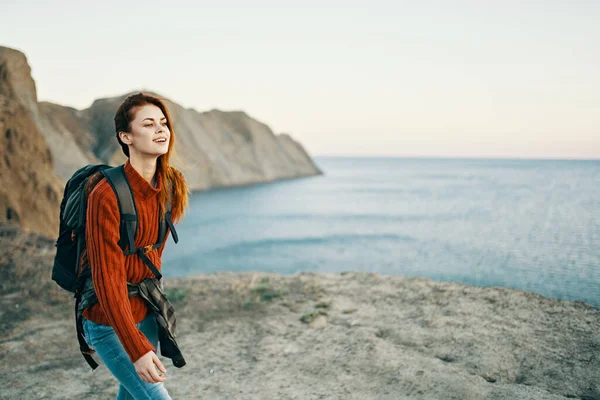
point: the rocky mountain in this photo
(29, 190)
(214, 148)
(44, 141)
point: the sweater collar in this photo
(140, 186)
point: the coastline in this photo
(347, 335)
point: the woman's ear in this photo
(125, 137)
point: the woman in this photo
(122, 329)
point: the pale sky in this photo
(419, 78)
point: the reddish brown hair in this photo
(170, 176)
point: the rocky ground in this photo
(311, 336)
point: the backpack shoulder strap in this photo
(129, 221)
(166, 223)
(170, 222)
(162, 229)
(118, 181)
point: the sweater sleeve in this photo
(107, 263)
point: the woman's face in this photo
(149, 134)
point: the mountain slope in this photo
(29, 190)
(215, 148)
(44, 143)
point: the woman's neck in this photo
(146, 167)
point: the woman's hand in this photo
(144, 366)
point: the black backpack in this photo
(71, 238)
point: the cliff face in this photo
(43, 141)
(29, 190)
(236, 149)
(214, 148)
(68, 136)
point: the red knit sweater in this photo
(111, 269)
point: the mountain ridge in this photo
(45, 143)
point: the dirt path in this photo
(373, 337)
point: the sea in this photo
(517, 223)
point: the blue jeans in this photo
(105, 341)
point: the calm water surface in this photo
(527, 224)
